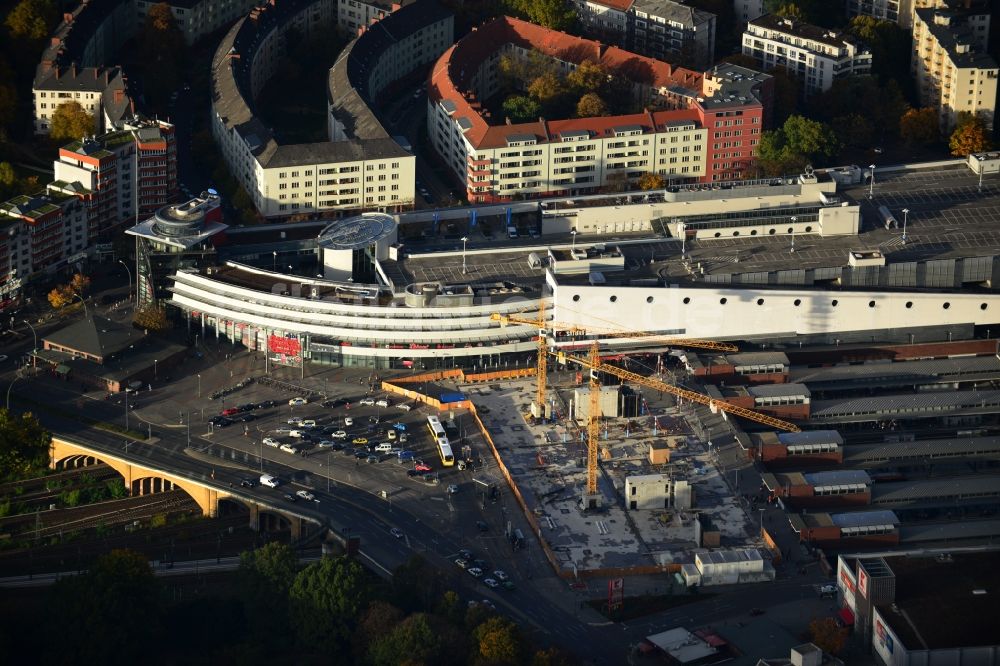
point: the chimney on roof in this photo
(67, 17)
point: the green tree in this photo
(79, 283)
(326, 599)
(889, 44)
(590, 106)
(920, 126)
(378, 620)
(588, 76)
(107, 614)
(24, 446)
(819, 12)
(555, 14)
(795, 144)
(969, 136)
(8, 97)
(32, 20)
(651, 181)
(854, 130)
(270, 569)
(497, 641)
(415, 641)
(521, 109)
(416, 584)
(71, 122)
(152, 317)
(551, 657)
(792, 11)
(8, 181)
(549, 90)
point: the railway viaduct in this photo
(142, 478)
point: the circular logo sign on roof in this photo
(355, 233)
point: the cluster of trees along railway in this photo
(271, 609)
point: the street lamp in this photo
(906, 212)
(34, 347)
(274, 261)
(794, 219)
(573, 232)
(18, 376)
(199, 385)
(981, 175)
(154, 368)
(871, 183)
(761, 520)
(122, 262)
(86, 313)
(465, 240)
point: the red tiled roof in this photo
(620, 5)
(450, 76)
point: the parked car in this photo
(271, 441)
(452, 489)
(348, 421)
(828, 590)
(490, 583)
(500, 575)
(367, 402)
(230, 411)
(372, 458)
(221, 422)
(247, 407)
(422, 467)
(265, 404)
(339, 434)
(309, 423)
(475, 572)
(404, 406)
(462, 563)
(382, 403)
(325, 444)
(360, 441)
(295, 420)
(360, 454)
(298, 401)
(465, 554)
(396, 532)
(288, 448)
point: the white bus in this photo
(441, 439)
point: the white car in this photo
(404, 406)
(309, 423)
(475, 572)
(828, 590)
(382, 403)
(367, 402)
(271, 441)
(298, 401)
(339, 434)
(348, 421)
(325, 444)
(452, 489)
(490, 582)
(288, 448)
(295, 420)
(500, 575)
(306, 495)
(297, 434)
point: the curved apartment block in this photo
(360, 167)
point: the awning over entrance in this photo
(62, 369)
(846, 616)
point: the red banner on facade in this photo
(282, 345)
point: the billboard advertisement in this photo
(278, 344)
(862, 581)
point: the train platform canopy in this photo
(882, 373)
(810, 437)
(779, 391)
(837, 477)
(863, 455)
(909, 405)
(953, 530)
(945, 489)
(858, 520)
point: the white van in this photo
(268, 480)
(384, 447)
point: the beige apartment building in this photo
(816, 56)
(360, 166)
(99, 90)
(952, 68)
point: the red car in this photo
(422, 467)
(230, 411)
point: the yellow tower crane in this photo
(595, 365)
(544, 328)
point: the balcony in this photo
(478, 172)
(485, 161)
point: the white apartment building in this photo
(360, 166)
(662, 29)
(99, 90)
(197, 18)
(579, 156)
(670, 31)
(953, 70)
(817, 56)
(897, 11)
(352, 15)
(606, 19)
(747, 10)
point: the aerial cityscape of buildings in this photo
(556, 322)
